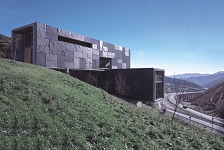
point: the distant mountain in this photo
(188, 75)
(5, 47)
(180, 84)
(203, 80)
(213, 83)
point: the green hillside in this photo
(44, 109)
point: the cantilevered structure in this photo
(52, 47)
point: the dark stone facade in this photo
(143, 84)
(57, 48)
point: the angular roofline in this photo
(25, 26)
(34, 23)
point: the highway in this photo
(169, 103)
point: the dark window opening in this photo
(159, 90)
(28, 43)
(105, 62)
(159, 84)
(28, 39)
(73, 41)
(159, 77)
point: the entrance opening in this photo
(28, 42)
(105, 62)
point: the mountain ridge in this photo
(180, 84)
(204, 80)
(187, 75)
(213, 83)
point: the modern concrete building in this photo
(52, 47)
(93, 61)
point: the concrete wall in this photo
(48, 51)
(140, 82)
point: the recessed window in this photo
(105, 62)
(159, 84)
(73, 41)
(159, 77)
(28, 39)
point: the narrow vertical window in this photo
(28, 40)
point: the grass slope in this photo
(42, 109)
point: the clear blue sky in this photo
(180, 36)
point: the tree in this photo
(92, 77)
(17, 38)
(2, 55)
(107, 85)
(121, 86)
